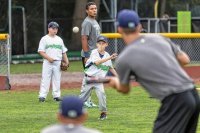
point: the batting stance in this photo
(156, 62)
(97, 66)
(53, 50)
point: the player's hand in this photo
(64, 65)
(51, 60)
(113, 56)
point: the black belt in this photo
(87, 75)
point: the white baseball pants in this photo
(50, 72)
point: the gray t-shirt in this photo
(68, 129)
(152, 60)
(90, 28)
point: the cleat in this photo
(103, 116)
(87, 105)
(41, 99)
(57, 99)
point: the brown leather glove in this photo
(64, 66)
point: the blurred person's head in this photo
(72, 110)
(128, 24)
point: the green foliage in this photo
(75, 66)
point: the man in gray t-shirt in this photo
(89, 33)
(156, 64)
(71, 116)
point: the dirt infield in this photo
(32, 81)
(73, 79)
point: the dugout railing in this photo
(188, 42)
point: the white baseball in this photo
(75, 29)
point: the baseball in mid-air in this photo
(75, 29)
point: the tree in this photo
(162, 7)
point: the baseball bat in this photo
(91, 80)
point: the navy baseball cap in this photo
(128, 19)
(102, 38)
(71, 107)
(53, 25)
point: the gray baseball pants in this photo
(100, 92)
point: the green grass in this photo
(22, 113)
(75, 66)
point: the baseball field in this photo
(22, 113)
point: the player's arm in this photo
(121, 83)
(45, 56)
(182, 58)
(115, 83)
(64, 55)
(98, 62)
(65, 58)
(85, 32)
(84, 41)
(112, 70)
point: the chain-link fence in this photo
(3, 58)
(190, 43)
(4, 61)
(191, 46)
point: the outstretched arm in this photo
(98, 62)
(115, 83)
(122, 82)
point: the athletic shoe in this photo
(41, 99)
(92, 104)
(57, 99)
(103, 116)
(87, 105)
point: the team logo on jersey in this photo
(54, 46)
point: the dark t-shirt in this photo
(152, 60)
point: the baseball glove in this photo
(64, 66)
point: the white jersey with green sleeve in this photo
(52, 46)
(100, 70)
